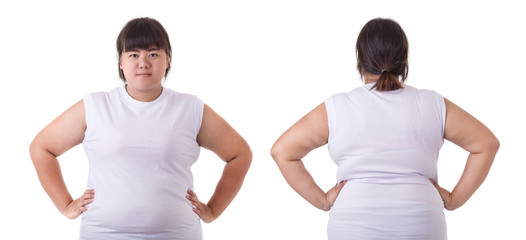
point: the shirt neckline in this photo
(368, 86)
(125, 96)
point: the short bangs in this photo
(143, 33)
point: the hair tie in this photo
(385, 70)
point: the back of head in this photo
(382, 49)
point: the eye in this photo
(154, 54)
(133, 55)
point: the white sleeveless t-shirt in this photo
(140, 155)
(386, 145)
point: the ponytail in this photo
(387, 82)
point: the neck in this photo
(144, 95)
(370, 78)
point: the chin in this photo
(144, 85)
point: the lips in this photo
(143, 74)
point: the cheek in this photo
(127, 70)
(126, 66)
(161, 67)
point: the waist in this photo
(388, 179)
(141, 207)
(139, 215)
(398, 193)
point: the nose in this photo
(144, 63)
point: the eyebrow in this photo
(137, 49)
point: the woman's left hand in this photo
(204, 211)
(446, 196)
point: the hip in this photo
(140, 218)
(388, 193)
(387, 210)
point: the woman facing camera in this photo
(141, 140)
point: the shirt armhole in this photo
(329, 107)
(199, 108)
(88, 103)
(442, 106)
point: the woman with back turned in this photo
(385, 138)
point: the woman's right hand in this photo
(332, 194)
(78, 206)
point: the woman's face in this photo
(144, 69)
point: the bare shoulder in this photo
(218, 136)
(465, 130)
(308, 133)
(314, 126)
(75, 115)
(65, 132)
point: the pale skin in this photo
(312, 131)
(144, 70)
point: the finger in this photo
(197, 211)
(84, 202)
(191, 193)
(83, 209)
(192, 199)
(87, 201)
(89, 191)
(89, 195)
(341, 184)
(435, 184)
(336, 189)
(194, 204)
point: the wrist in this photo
(64, 209)
(453, 203)
(213, 213)
(325, 205)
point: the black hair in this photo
(143, 33)
(382, 48)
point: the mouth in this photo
(143, 74)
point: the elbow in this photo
(492, 145)
(283, 154)
(488, 147)
(276, 153)
(496, 144)
(249, 155)
(246, 157)
(33, 150)
(38, 152)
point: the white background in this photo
(262, 65)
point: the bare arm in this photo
(219, 137)
(65, 132)
(470, 134)
(308, 133)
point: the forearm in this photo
(230, 183)
(475, 172)
(50, 176)
(302, 182)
